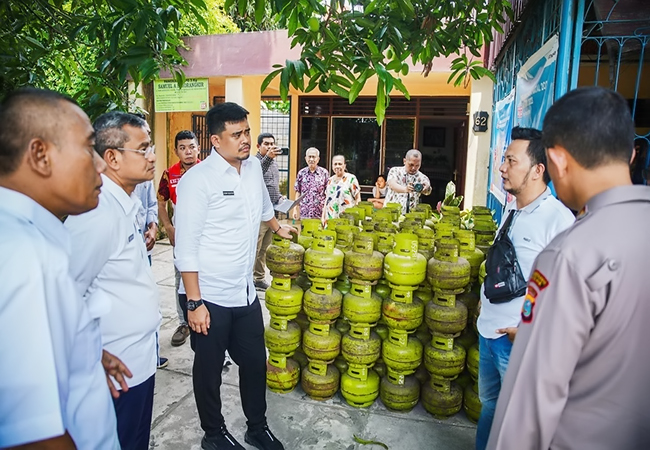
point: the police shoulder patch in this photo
(529, 304)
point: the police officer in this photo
(580, 364)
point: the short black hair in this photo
(263, 136)
(223, 113)
(109, 131)
(593, 124)
(185, 134)
(535, 150)
(25, 114)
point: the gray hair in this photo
(413, 153)
(314, 149)
(109, 132)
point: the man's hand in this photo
(171, 234)
(510, 331)
(115, 368)
(150, 236)
(410, 188)
(199, 319)
(285, 231)
(295, 214)
(272, 153)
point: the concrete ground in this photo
(299, 422)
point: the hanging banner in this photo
(536, 86)
(501, 128)
(193, 97)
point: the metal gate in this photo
(277, 121)
(610, 50)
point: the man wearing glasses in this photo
(111, 270)
(187, 149)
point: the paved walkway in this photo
(299, 422)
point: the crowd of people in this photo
(562, 360)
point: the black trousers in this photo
(134, 409)
(239, 330)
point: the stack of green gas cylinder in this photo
(387, 309)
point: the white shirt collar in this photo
(128, 203)
(221, 164)
(20, 205)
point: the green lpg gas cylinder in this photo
(360, 345)
(472, 360)
(444, 400)
(399, 393)
(283, 256)
(283, 298)
(323, 260)
(444, 359)
(282, 337)
(320, 381)
(322, 303)
(361, 305)
(360, 392)
(401, 352)
(399, 313)
(446, 270)
(385, 242)
(471, 403)
(444, 315)
(363, 262)
(282, 374)
(321, 342)
(404, 265)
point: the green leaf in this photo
(260, 9)
(372, 46)
(380, 105)
(400, 87)
(270, 77)
(368, 442)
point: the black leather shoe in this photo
(263, 439)
(222, 441)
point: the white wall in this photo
(478, 144)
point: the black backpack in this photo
(504, 280)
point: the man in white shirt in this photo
(111, 269)
(538, 218)
(220, 205)
(53, 391)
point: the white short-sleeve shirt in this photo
(52, 380)
(532, 229)
(218, 215)
(111, 270)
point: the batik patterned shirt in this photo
(312, 187)
(340, 195)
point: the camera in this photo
(283, 151)
(417, 187)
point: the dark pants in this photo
(134, 409)
(239, 330)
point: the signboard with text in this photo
(536, 86)
(501, 128)
(194, 95)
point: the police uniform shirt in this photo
(580, 365)
(218, 215)
(110, 266)
(52, 379)
(533, 228)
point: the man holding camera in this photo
(266, 153)
(407, 183)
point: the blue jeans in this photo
(494, 355)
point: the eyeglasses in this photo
(149, 151)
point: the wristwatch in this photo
(193, 304)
